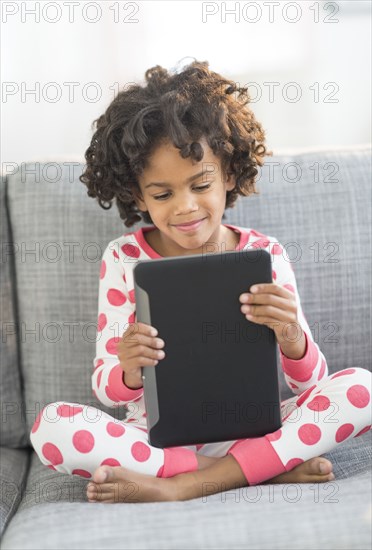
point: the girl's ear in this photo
(139, 201)
(230, 182)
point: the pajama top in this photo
(117, 309)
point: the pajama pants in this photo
(76, 439)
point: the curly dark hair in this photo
(180, 107)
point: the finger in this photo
(272, 312)
(146, 329)
(278, 308)
(143, 350)
(269, 321)
(271, 299)
(136, 332)
(271, 288)
(143, 361)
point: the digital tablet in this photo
(219, 378)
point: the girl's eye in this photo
(161, 197)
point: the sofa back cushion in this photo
(12, 422)
(315, 203)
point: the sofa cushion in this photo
(12, 425)
(292, 516)
(14, 466)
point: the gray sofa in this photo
(318, 204)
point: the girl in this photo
(176, 153)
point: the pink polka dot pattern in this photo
(52, 467)
(116, 255)
(322, 370)
(293, 385)
(261, 243)
(99, 363)
(112, 383)
(82, 473)
(102, 272)
(115, 430)
(363, 431)
(277, 249)
(319, 403)
(132, 298)
(274, 436)
(110, 394)
(52, 453)
(140, 451)
(342, 373)
(293, 463)
(99, 378)
(358, 396)
(83, 441)
(274, 274)
(116, 297)
(102, 322)
(132, 317)
(304, 395)
(289, 287)
(36, 425)
(305, 375)
(343, 432)
(124, 279)
(309, 434)
(66, 410)
(112, 345)
(110, 462)
(131, 250)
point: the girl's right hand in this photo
(139, 347)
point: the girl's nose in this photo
(186, 206)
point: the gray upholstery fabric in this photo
(12, 425)
(14, 464)
(335, 515)
(324, 217)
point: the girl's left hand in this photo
(274, 306)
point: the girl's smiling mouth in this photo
(190, 226)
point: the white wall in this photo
(37, 53)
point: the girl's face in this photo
(177, 191)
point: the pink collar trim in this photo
(139, 235)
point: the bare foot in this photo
(307, 472)
(123, 485)
(117, 484)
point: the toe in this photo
(102, 474)
(324, 466)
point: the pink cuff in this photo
(118, 387)
(257, 459)
(301, 369)
(178, 460)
